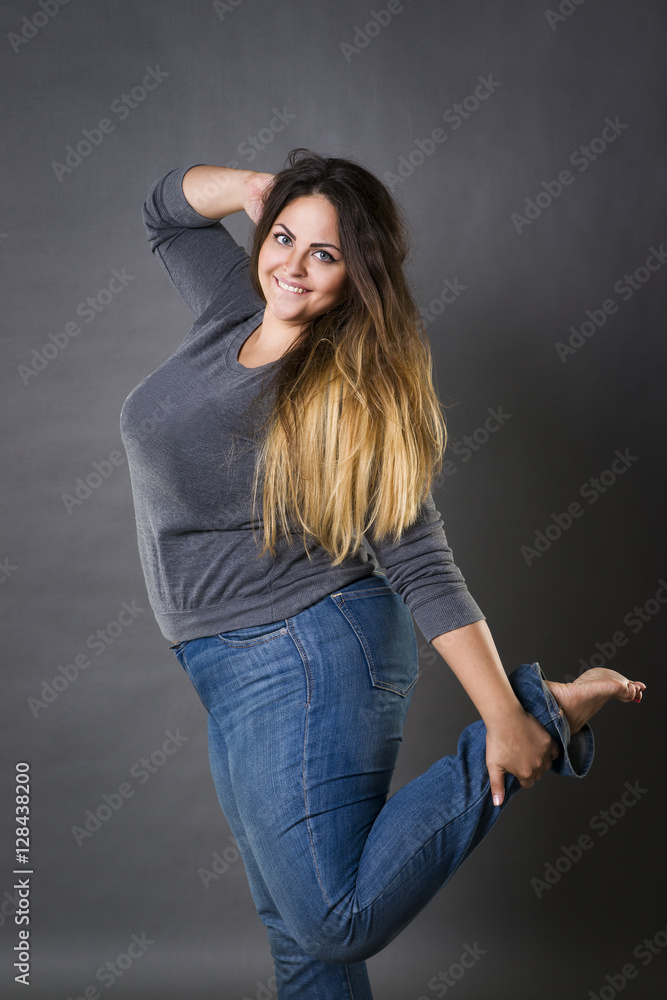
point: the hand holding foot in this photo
(520, 745)
(517, 744)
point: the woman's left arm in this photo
(515, 741)
(422, 570)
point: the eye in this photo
(327, 259)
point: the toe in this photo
(637, 688)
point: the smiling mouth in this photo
(297, 289)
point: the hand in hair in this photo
(256, 187)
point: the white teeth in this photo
(291, 288)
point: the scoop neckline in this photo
(244, 331)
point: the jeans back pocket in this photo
(382, 623)
(253, 635)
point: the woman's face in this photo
(302, 251)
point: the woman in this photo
(296, 419)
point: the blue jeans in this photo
(305, 719)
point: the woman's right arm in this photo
(216, 192)
(515, 741)
(198, 253)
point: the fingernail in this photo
(497, 800)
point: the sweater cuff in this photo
(446, 612)
(175, 206)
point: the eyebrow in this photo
(292, 236)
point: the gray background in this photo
(494, 347)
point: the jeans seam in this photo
(385, 888)
(361, 593)
(422, 847)
(192, 680)
(247, 643)
(304, 660)
(307, 813)
(348, 614)
(556, 713)
(360, 636)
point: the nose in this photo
(296, 264)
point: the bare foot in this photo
(585, 696)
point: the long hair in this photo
(355, 432)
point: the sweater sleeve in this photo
(421, 568)
(201, 257)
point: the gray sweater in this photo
(191, 454)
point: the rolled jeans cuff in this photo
(576, 752)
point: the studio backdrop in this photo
(525, 144)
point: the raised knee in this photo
(339, 944)
(338, 952)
